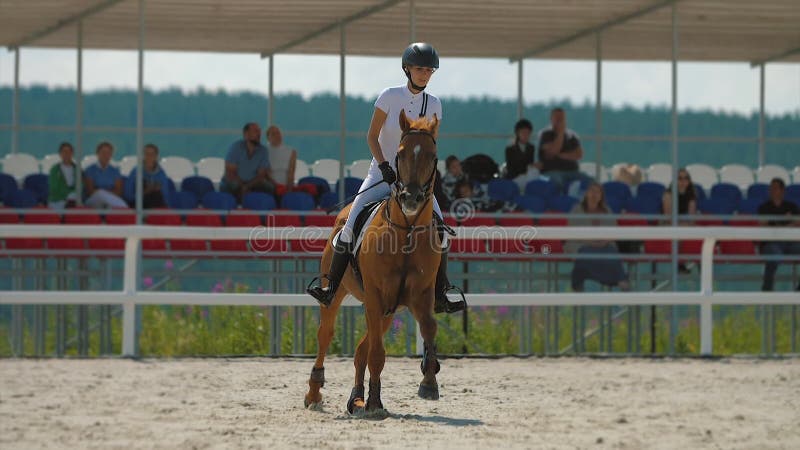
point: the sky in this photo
(729, 87)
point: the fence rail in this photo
(130, 295)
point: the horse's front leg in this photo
(357, 401)
(423, 312)
(376, 356)
(327, 322)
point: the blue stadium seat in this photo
(530, 203)
(758, 191)
(793, 193)
(22, 198)
(618, 191)
(750, 205)
(650, 189)
(644, 204)
(321, 184)
(8, 185)
(727, 191)
(183, 200)
(616, 204)
(351, 186)
(328, 199)
(541, 188)
(503, 190)
(219, 200)
(298, 201)
(38, 183)
(700, 193)
(197, 185)
(716, 206)
(259, 201)
(562, 203)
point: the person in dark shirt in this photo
(520, 154)
(559, 152)
(777, 206)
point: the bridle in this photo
(410, 228)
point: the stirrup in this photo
(315, 290)
(444, 305)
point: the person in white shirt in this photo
(282, 160)
(420, 61)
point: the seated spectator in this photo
(247, 166)
(519, 156)
(777, 206)
(61, 179)
(465, 192)
(559, 153)
(452, 176)
(630, 174)
(154, 180)
(609, 272)
(102, 181)
(687, 198)
(282, 161)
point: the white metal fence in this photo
(130, 295)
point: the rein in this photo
(409, 228)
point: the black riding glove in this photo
(388, 174)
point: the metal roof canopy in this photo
(711, 30)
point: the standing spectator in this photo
(61, 180)
(155, 184)
(247, 166)
(519, 156)
(452, 176)
(777, 206)
(559, 152)
(687, 198)
(103, 181)
(609, 272)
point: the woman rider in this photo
(420, 61)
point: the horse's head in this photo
(416, 163)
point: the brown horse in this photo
(399, 258)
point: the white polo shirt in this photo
(391, 101)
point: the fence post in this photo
(707, 289)
(129, 287)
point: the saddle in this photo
(359, 228)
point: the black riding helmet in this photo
(419, 54)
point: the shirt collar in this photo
(410, 94)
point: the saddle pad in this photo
(362, 223)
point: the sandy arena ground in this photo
(506, 403)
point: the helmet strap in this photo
(408, 75)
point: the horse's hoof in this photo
(312, 402)
(428, 392)
(356, 407)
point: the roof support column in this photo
(673, 324)
(520, 98)
(15, 105)
(762, 149)
(342, 110)
(412, 22)
(270, 100)
(79, 118)
(140, 116)
(598, 108)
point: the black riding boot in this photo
(341, 257)
(443, 286)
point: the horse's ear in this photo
(404, 125)
(434, 123)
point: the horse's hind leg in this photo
(327, 323)
(428, 388)
(356, 402)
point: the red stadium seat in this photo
(478, 222)
(238, 246)
(283, 220)
(521, 220)
(114, 217)
(327, 220)
(42, 216)
(160, 217)
(195, 245)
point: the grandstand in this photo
(597, 31)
